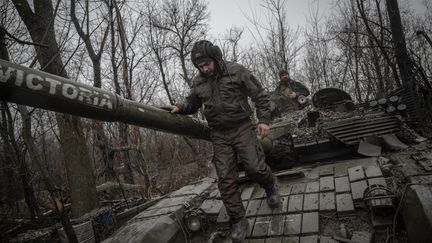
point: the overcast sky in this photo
(225, 14)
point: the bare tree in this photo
(185, 22)
(158, 41)
(230, 43)
(78, 163)
(100, 137)
(277, 43)
(379, 42)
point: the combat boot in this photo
(239, 230)
(273, 197)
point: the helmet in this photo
(283, 72)
(205, 49)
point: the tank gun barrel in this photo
(26, 86)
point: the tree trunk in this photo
(124, 138)
(377, 68)
(378, 42)
(123, 128)
(403, 61)
(99, 135)
(55, 194)
(78, 164)
(29, 195)
(101, 142)
(8, 161)
(79, 167)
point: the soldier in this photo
(223, 88)
(285, 97)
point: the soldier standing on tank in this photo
(223, 88)
(285, 97)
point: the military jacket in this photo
(225, 98)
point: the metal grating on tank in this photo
(352, 130)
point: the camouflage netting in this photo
(296, 124)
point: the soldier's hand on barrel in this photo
(170, 108)
(263, 130)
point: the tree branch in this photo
(21, 41)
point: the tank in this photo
(347, 172)
(326, 129)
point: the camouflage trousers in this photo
(240, 144)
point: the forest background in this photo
(140, 51)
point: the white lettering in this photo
(31, 77)
(53, 85)
(69, 91)
(85, 95)
(5, 76)
(19, 78)
(106, 102)
(95, 98)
